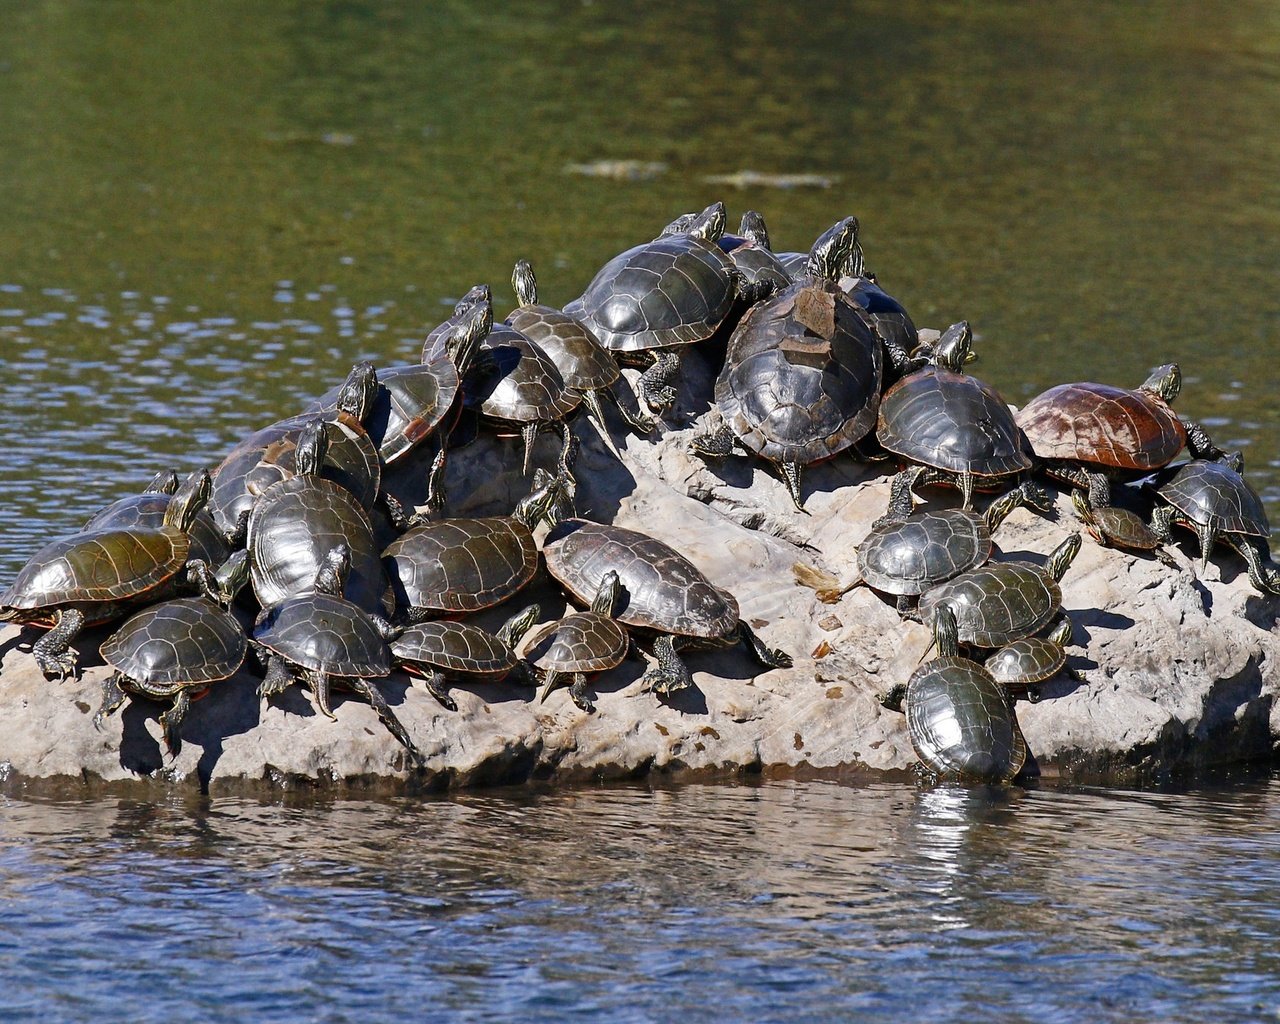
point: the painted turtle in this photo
(751, 253)
(1115, 527)
(1021, 665)
(147, 510)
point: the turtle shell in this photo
(960, 722)
(453, 647)
(1215, 495)
(1123, 529)
(294, 526)
(461, 565)
(663, 590)
(1032, 659)
(756, 262)
(324, 633)
(147, 511)
(801, 379)
(890, 319)
(522, 384)
(951, 421)
(175, 645)
(927, 548)
(582, 362)
(997, 603)
(671, 291)
(1103, 425)
(581, 642)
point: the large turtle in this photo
(147, 510)
(801, 378)
(92, 577)
(945, 419)
(961, 723)
(1212, 499)
(665, 595)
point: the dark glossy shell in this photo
(755, 261)
(295, 525)
(891, 321)
(923, 550)
(1103, 425)
(461, 565)
(951, 421)
(796, 264)
(522, 385)
(1125, 529)
(147, 511)
(671, 291)
(1211, 494)
(177, 644)
(1032, 659)
(960, 722)
(795, 394)
(580, 642)
(663, 590)
(326, 634)
(453, 647)
(581, 360)
(997, 603)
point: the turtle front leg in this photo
(200, 576)
(769, 657)
(578, 693)
(1162, 523)
(670, 674)
(171, 720)
(53, 651)
(892, 699)
(112, 697)
(278, 678)
(239, 531)
(657, 383)
(436, 683)
(637, 420)
(1200, 444)
(366, 689)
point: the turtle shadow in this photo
(1262, 610)
(230, 709)
(140, 753)
(1082, 619)
(21, 641)
(689, 701)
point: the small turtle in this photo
(581, 645)
(1115, 527)
(175, 649)
(801, 378)
(1000, 602)
(666, 595)
(959, 717)
(1021, 665)
(940, 417)
(445, 650)
(891, 321)
(88, 578)
(750, 252)
(320, 638)
(1213, 499)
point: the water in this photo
(208, 212)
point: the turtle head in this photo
(1165, 381)
(474, 297)
(753, 229)
(232, 575)
(1061, 635)
(525, 284)
(331, 577)
(471, 328)
(946, 634)
(189, 499)
(1233, 460)
(709, 224)
(539, 504)
(1080, 502)
(679, 226)
(1062, 556)
(358, 391)
(832, 249)
(514, 629)
(164, 482)
(607, 594)
(955, 347)
(313, 446)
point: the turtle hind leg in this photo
(769, 657)
(278, 677)
(578, 693)
(171, 722)
(671, 673)
(53, 651)
(112, 697)
(637, 420)
(436, 686)
(1264, 576)
(657, 383)
(715, 444)
(791, 476)
(366, 689)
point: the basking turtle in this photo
(1021, 665)
(173, 650)
(588, 370)
(801, 378)
(1115, 527)
(750, 252)
(445, 650)
(908, 552)
(581, 645)
(1000, 602)
(1075, 428)
(92, 577)
(891, 321)
(647, 303)
(960, 721)
(147, 510)
(665, 595)
(945, 419)
(1213, 500)
(454, 566)
(319, 638)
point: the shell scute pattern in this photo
(454, 647)
(960, 722)
(1030, 660)
(146, 511)
(106, 565)
(523, 386)
(176, 644)
(1102, 424)
(580, 642)
(997, 603)
(1211, 494)
(927, 548)
(583, 363)
(326, 634)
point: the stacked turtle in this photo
(293, 549)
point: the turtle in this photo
(750, 252)
(454, 566)
(959, 717)
(802, 372)
(448, 650)
(945, 419)
(1021, 665)
(580, 645)
(647, 303)
(1212, 499)
(891, 321)
(92, 577)
(1000, 602)
(588, 370)
(1082, 427)
(908, 552)
(1115, 527)
(147, 510)
(666, 595)
(319, 637)
(296, 523)
(172, 650)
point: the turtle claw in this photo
(57, 666)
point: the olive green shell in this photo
(961, 724)
(176, 645)
(325, 634)
(997, 603)
(911, 555)
(147, 511)
(581, 642)
(453, 648)
(1024, 662)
